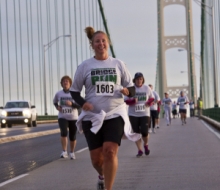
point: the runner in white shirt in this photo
(182, 102)
(174, 109)
(68, 114)
(106, 80)
(167, 103)
(192, 107)
(139, 112)
(154, 111)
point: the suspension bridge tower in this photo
(178, 41)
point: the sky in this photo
(133, 30)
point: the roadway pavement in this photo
(182, 157)
(23, 129)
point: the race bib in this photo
(104, 88)
(139, 108)
(67, 110)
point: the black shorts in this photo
(64, 124)
(154, 114)
(140, 124)
(112, 130)
(182, 111)
(174, 112)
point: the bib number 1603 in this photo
(105, 88)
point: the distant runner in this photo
(167, 103)
(182, 102)
(139, 112)
(68, 114)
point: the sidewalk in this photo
(182, 157)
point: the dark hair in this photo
(91, 33)
(65, 77)
(136, 78)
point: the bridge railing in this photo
(47, 117)
(213, 113)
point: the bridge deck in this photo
(182, 157)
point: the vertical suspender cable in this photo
(76, 33)
(29, 67)
(64, 40)
(57, 44)
(90, 52)
(49, 49)
(80, 26)
(70, 32)
(22, 71)
(93, 19)
(39, 50)
(106, 27)
(16, 53)
(96, 8)
(85, 25)
(32, 52)
(9, 71)
(51, 59)
(3, 87)
(42, 58)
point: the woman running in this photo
(104, 117)
(68, 114)
(139, 111)
(167, 108)
(154, 111)
(174, 109)
(182, 102)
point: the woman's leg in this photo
(97, 160)
(139, 144)
(72, 135)
(110, 165)
(167, 115)
(63, 124)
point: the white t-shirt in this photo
(68, 112)
(174, 106)
(181, 101)
(103, 80)
(157, 98)
(167, 102)
(191, 105)
(139, 109)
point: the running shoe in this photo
(158, 127)
(72, 156)
(140, 153)
(154, 130)
(146, 150)
(100, 185)
(150, 130)
(64, 154)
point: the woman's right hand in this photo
(87, 106)
(59, 108)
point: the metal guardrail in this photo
(213, 113)
(47, 117)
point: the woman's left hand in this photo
(68, 103)
(125, 91)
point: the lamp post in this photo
(46, 47)
(192, 76)
(212, 14)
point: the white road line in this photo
(13, 179)
(23, 175)
(210, 129)
(81, 150)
